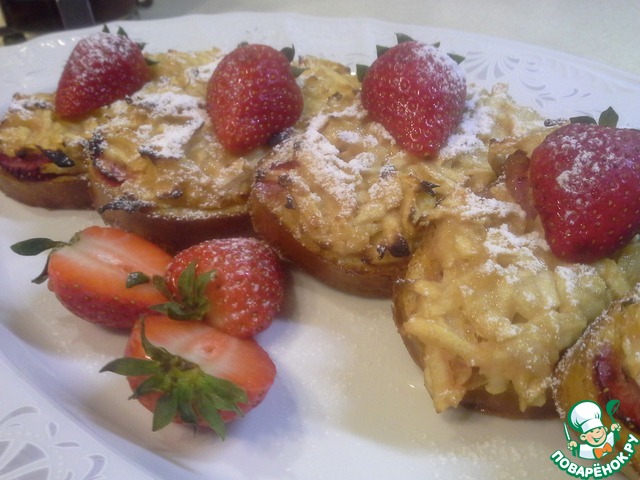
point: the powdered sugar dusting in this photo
(476, 121)
(170, 141)
(474, 206)
(454, 81)
(336, 176)
(510, 254)
(571, 275)
(24, 104)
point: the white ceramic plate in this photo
(348, 401)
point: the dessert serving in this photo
(342, 198)
(480, 225)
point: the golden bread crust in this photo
(64, 192)
(31, 129)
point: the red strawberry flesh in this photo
(252, 96)
(586, 187)
(89, 276)
(101, 69)
(417, 93)
(26, 168)
(247, 289)
(241, 361)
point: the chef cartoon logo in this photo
(594, 441)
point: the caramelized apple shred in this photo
(342, 186)
(492, 307)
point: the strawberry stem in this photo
(190, 302)
(35, 246)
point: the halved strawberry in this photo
(585, 180)
(235, 284)
(101, 69)
(417, 93)
(252, 96)
(89, 274)
(188, 372)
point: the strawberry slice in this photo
(91, 275)
(101, 69)
(188, 372)
(252, 96)
(417, 93)
(585, 180)
(234, 284)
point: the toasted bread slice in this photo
(486, 309)
(604, 366)
(157, 168)
(41, 157)
(342, 200)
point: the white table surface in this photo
(606, 32)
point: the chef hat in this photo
(585, 416)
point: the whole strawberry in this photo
(252, 96)
(586, 187)
(417, 93)
(101, 69)
(234, 284)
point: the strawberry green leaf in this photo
(361, 71)
(137, 278)
(608, 118)
(210, 415)
(187, 392)
(190, 302)
(403, 37)
(380, 50)
(456, 58)
(35, 246)
(165, 412)
(153, 384)
(289, 52)
(131, 366)
(583, 119)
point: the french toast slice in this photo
(604, 366)
(343, 201)
(486, 309)
(156, 167)
(42, 157)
